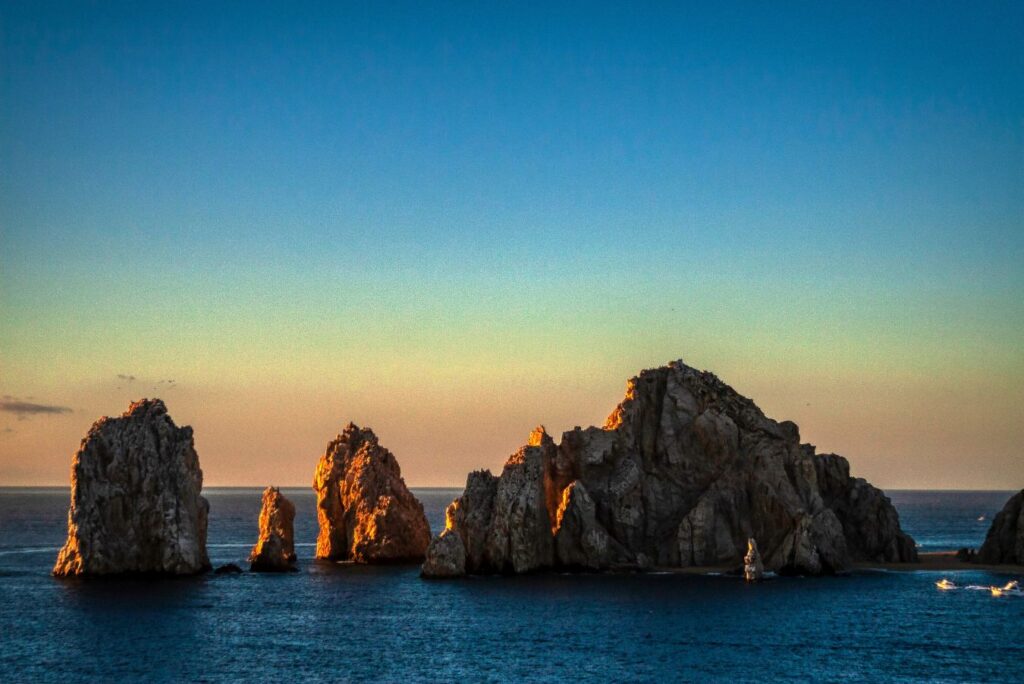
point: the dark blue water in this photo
(350, 623)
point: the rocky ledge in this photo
(683, 473)
(275, 548)
(1004, 543)
(135, 498)
(365, 511)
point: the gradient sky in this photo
(454, 221)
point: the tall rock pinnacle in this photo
(135, 498)
(365, 511)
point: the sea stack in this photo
(684, 471)
(135, 498)
(1004, 542)
(275, 549)
(365, 511)
(753, 568)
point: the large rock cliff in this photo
(275, 549)
(1004, 542)
(365, 511)
(683, 473)
(135, 498)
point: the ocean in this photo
(340, 622)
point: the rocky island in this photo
(365, 511)
(275, 548)
(135, 498)
(683, 473)
(1004, 543)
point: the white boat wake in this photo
(1011, 588)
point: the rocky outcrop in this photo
(753, 568)
(365, 511)
(446, 556)
(1004, 542)
(275, 548)
(684, 472)
(135, 498)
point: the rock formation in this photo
(446, 556)
(365, 511)
(683, 473)
(753, 568)
(135, 498)
(1004, 542)
(275, 549)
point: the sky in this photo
(455, 221)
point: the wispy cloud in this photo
(27, 408)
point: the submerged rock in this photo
(1004, 542)
(275, 549)
(135, 498)
(228, 569)
(365, 511)
(753, 568)
(684, 472)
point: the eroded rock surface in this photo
(365, 511)
(275, 548)
(446, 556)
(135, 498)
(684, 472)
(1004, 542)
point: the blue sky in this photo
(830, 190)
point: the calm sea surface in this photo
(343, 622)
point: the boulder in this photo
(135, 498)
(683, 473)
(228, 569)
(275, 549)
(365, 511)
(1004, 543)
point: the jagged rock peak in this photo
(684, 471)
(143, 407)
(135, 498)
(539, 437)
(275, 549)
(1004, 542)
(365, 511)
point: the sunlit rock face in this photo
(1004, 542)
(365, 511)
(135, 498)
(683, 473)
(753, 568)
(275, 548)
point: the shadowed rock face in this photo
(135, 498)
(275, 548)
(683, 473)
(1004, 542)
(365, 511)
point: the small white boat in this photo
(945, 585)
